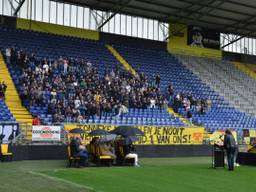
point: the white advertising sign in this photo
(46, 133)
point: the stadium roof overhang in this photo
(227, 16)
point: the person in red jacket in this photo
(36, 121)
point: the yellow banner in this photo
(252, 132)
(249, 136)
(153, 135)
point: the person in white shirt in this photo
(152, 103)
(122, 110)
(8, 55)
(128, 88)
(65, 64)
(38, 70)
(77, 103)
(46, 67)
(129, 150)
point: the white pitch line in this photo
(63, 180)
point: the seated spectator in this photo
(152, 103)
(78, 149)
(122, 110)
(129, 150)
(46, 67)
(198, 106)
(95, 141)
(107, 149)
(186, 104)
(203, 106)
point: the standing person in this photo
(235, 156)
(8, 55)
(36, 120)
(65, 66)
(189, 117)
(4, 87)
(1, 91)
(157, 80)
(209, 104)
(229, 145)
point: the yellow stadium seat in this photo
(125, 160)
(102, 159)
(72, 159)
(4, 153)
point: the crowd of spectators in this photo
(73, 90)
(117, 149)
(187, 101)
(189, 104)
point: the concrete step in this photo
(21, 112)
(28, 121)
(14, 105)
(18, 109)
(23, 116)
(13, 100)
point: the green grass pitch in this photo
(154, 175)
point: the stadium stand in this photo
(222, 115)
(51, 48)
(185, 79)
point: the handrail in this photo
(15, 140)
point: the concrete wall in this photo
(56, 29)
(45, 152)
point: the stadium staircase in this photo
(244, 68)
(128, 67)
(125, 64)
(171, 112)
(12, 100)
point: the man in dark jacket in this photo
(230, 145)
(157, 80)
